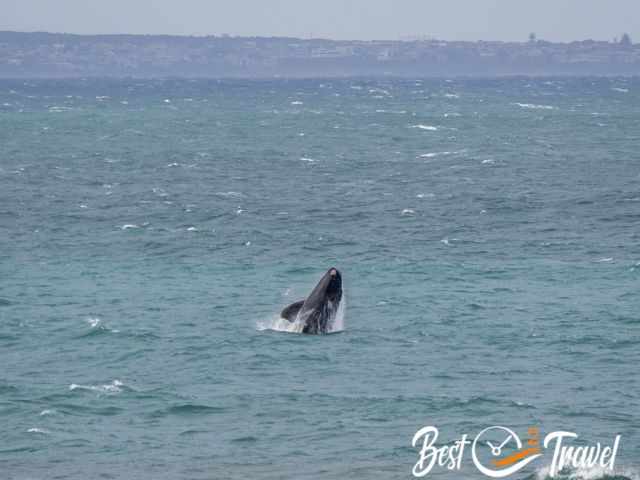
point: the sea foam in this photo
(593, 473)
(113, 387)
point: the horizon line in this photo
(407, 38)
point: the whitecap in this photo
(94, 322)
(56, 109)
(421, 126)
(621, 90)
(534, 106)
(592, 473)
(229, 194)
(445, 241)
(488, 161)
(604, 260)
(434, 154)
(46, 412)
(297, 102)
(408, 211)
(129, 226)
(451, 95)
(425, 195)
(307, 159)
(380, 92)
(38, 430)
(192, 229)
(113, 387)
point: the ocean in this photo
(487, 232)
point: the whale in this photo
(318, 311)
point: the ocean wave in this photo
(187, 409)
(593, 473)
(38, 430)
(97, 327)
(230, 194)
(536, 107)
(422, 126)
(114, 387)
(434, 154)
(441, 154)
(57, 109)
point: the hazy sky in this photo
(558, 20)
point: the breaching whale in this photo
(318, 311)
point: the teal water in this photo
(487, 231)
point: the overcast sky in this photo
(556, 20)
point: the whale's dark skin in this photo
(318, 310)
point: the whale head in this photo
(334, 287)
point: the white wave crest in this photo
(113, 387)
(94, 322)
(425, 127)
(537, 107)
(37, 430)
(592, 473)
(97, 324)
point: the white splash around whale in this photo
(279, 324)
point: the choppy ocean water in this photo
(487, 232)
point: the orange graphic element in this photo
(513, 458)
(534, 448)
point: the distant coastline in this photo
(59, 55)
